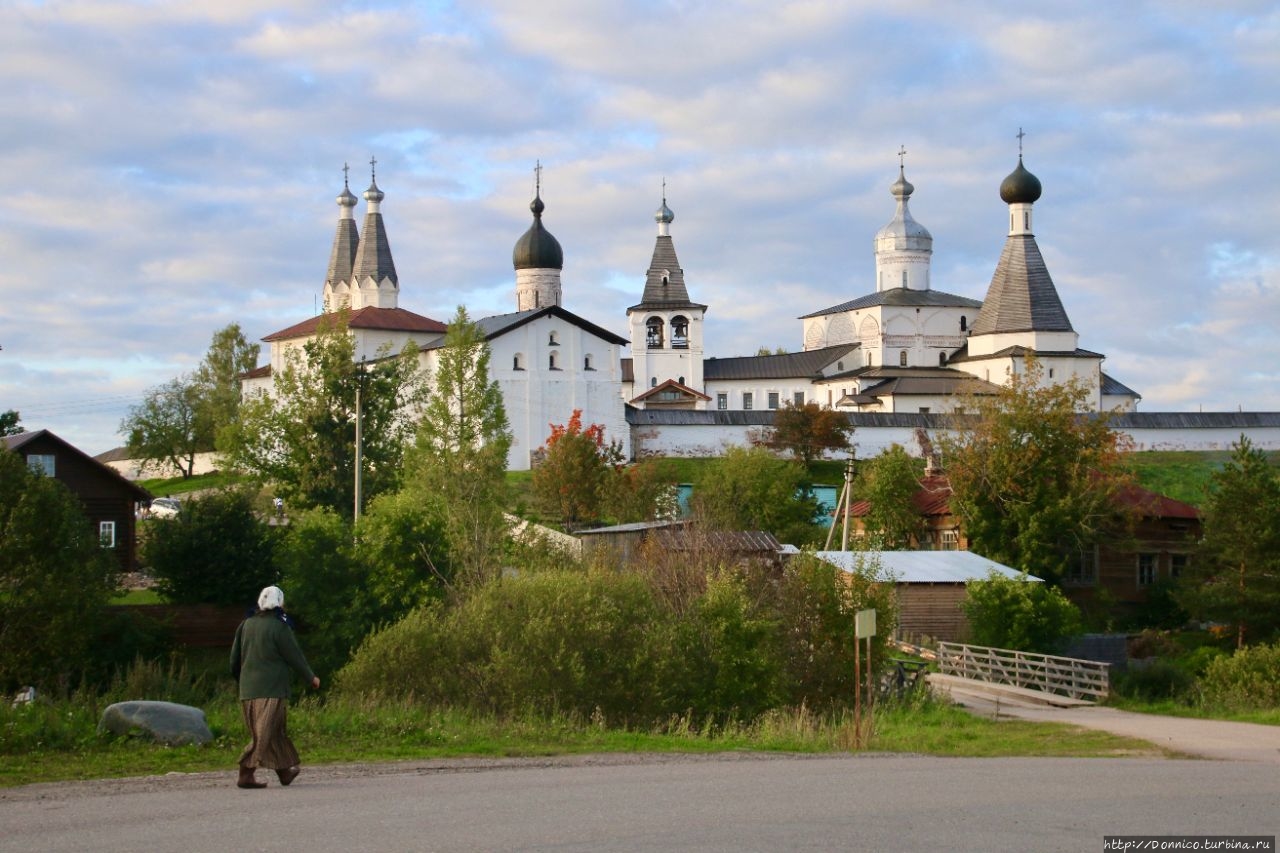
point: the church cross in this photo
(537, 178)
(1020, 135)
(345, 172)
(902, 152)
(373, 169)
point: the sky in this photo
(170, 168)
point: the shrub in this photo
(216, 551)
(1160, 679)
(1014, 613)
(1247, 680)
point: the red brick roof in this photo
(380, 319)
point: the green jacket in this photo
(263, 653)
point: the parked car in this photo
(165, 507)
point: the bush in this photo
(1160, 679)
(216, 551)
(1247, 680)
(1015, 613)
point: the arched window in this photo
(666, 278)
(553, 361)
(679, 332)
(586, 362)
(902, 358)
(904, 278)
(553, 340)
(964, 323)
(653, 382)
(653, 332)
(942, 359)
(681, 380)
(517, 362)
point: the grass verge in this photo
(58, 742)
(1178, 708)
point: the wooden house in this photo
(108, 500)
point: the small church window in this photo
(1050, 372)
(586, 362)
(747, 400)
(902, 358)
(904, 278)
(680, 380)
(553, 362)
(1026, 220)
(552, 340)
(964, 323)
(517, 362)
(942, 359)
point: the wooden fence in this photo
(204, 625)
(1078, 679)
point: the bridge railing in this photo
(1078, 679)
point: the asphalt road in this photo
(650, 803)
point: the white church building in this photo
(896, 360)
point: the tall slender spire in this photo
(339, 278)
(374, 268)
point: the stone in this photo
(166, 722)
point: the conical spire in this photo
(373, 262)
(664, 282)
(345, 241)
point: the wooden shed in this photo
(929, 586)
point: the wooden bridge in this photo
(1078, 681)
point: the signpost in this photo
(864, 628)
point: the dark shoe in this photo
(246, 779)
(289, 774)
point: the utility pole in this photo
(359, 439)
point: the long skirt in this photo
(271, 747)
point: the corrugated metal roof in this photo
(379, 319)
(901, 296)
(1111, 386)
(1194, 420)
(795, 365)
(923, 566)
(500, 324)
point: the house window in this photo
(722, 401)
(107, 534)
(950, 540)
(902, 358)
(924, 410)
(1146, 569)
(586, 362)
(679, 332)
(553, 361)
(1083, 569)
(41, 463)
(653, 332)
(746, 400)
(517, 362)
(839, 365)
(904, 278)
(773, 399)
(798, 398)
(1177, 565)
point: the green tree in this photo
(461, 447)
(752, 489)
(1020, 614)
(645, 491)
(216, 551)
(809, 430)
(889, 483)
(11, 423)
(218, 377)
(1235, 577)
(168, 426)
(55, 578)
(1034, 481)
(302, 438)
(570, 482)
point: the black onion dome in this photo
(537, 249)
(1021, 187)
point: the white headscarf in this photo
(270, 598)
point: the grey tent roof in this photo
(670, 293)
(1021, 297)
(373, 257)
(346, 240)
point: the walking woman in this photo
(262, 656)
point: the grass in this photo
(1181, 708)
(163, 488)
(52, 741)
(1184, 475)
(137, 596)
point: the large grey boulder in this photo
(167, 722)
